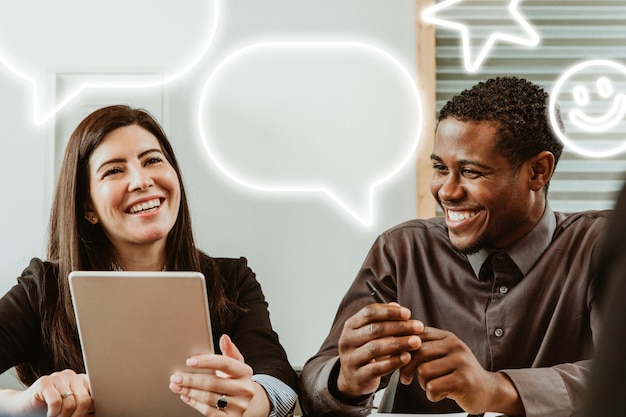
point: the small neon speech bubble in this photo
(592, 99)
(109, 44)
(337, 118)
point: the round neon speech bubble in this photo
(333, 118)
(108, 44)
(591, 97)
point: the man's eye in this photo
(470, 173)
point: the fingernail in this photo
(192, 362)
(414, 342)
(176, 379)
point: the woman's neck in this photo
(141, 259)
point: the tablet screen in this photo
(137, 329)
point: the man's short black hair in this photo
(521, 110)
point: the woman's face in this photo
(134, 192)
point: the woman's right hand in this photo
(62, 394)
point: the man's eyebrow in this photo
(462, 162)
(475, 163)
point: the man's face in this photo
(485, 201)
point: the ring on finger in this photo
(222, 402)
(66, 394)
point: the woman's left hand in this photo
(228, 390)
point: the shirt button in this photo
(498, 332)
(504, 290)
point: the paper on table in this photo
(436, 415)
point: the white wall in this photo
(304, 248)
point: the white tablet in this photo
(137, 329)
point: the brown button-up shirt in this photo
(526, 311)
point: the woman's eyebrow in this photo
(148, 151)
(111, 161)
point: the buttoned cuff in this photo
(281, 396)
(542, 392)
(329, 401)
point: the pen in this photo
(375, 293)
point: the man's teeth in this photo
(457, 217)
(145, 206)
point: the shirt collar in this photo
(526, 251)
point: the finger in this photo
(232, 368)
(433, 346)
(82, 398)
(60, 402)
(229, 349)
(389, 348)
(442, 387)
(207, 402)
(378, 312)
(68, 403)
(432, 333)
(445, 344)
(209, 407)
(387, 331)
(53, 400)
(74, 399)
(354, 381)
(436, 368)
(203, 408)
(380, 367)
(183, 383)
(408, 371)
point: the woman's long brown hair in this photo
(76, 244)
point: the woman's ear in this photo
(542, 168)
(90, 214)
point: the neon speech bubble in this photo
(531, 38)
(323, 117)
(591, 97)
(108, 44)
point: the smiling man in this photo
(493, 302)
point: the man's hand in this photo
(374, 342)
(447, 368)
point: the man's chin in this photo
(472, 247)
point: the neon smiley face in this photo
(592, 100)
(607, 120)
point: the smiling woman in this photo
(120, 203)
(134, 195)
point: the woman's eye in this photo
(153, 160)
(111, 171)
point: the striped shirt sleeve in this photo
(282, 396)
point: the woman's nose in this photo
(140, 179)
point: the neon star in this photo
(531, 38)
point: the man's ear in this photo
(542, 168)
